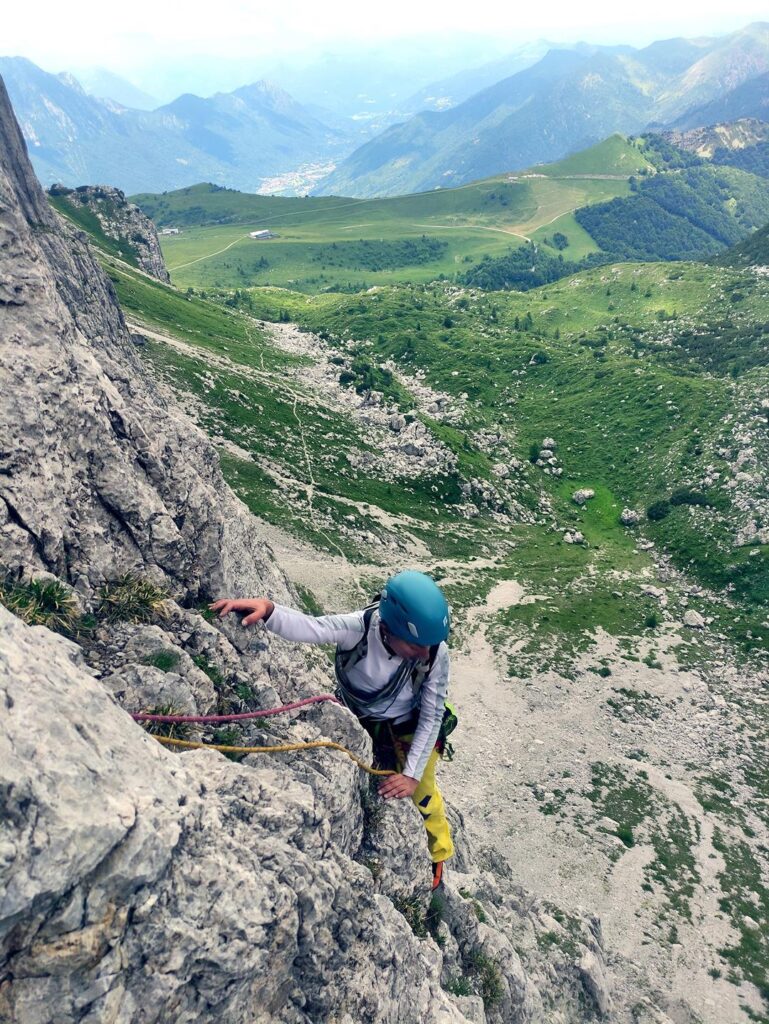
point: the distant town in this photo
(295, 183)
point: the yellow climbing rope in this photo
(282, 748)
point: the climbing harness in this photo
(359, 701)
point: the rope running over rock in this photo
(282, 748)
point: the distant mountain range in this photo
(236, 138)
(565, 102)
(107, 85)
(749, 100)
(449, 92)
(472, 126)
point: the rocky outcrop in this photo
(124, 223)
(706, 141)
(140, 885)
(98, 476)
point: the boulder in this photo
(582, 495)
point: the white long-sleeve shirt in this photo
(373, 672)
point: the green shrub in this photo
(625, 833)
(658, 510)
(686, 496)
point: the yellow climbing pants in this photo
(429, 802)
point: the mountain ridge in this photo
(560, 105)
(243, 136)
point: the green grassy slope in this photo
(330, 243)
(616, 155)
(628, 367)
(631, 198)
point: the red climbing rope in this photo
(143, 716)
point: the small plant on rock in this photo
(413, 910)
(172, 730)
(229, 736)
(131, 599)
(488, 978)
(459, 986)
(41, 603)
(210, 670)
(166, 660)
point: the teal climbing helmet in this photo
(413, 607)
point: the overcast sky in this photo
(125, 38)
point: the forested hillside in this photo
(689, 209)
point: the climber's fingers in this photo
(398, 786)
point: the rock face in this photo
(180, 888)
(97, 476)
(121, 221)
(138, 885)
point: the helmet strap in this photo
(385, 634)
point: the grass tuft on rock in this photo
(131, 598)
(46, 603)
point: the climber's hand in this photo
(398, 786)
(255, 609)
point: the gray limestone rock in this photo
(98, 476)
(693, 619)
(178, 887)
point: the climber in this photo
(392, 669)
